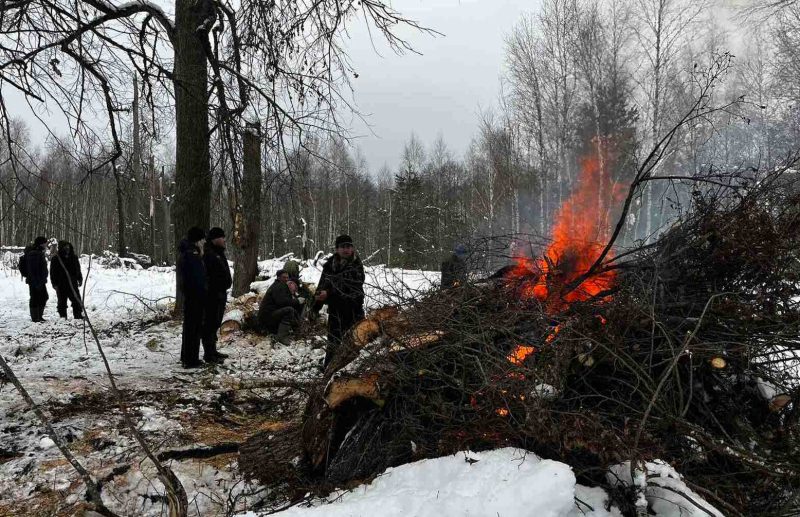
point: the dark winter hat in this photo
(342, 240)
(39, 241)
(215, 233)
(195, 234)
(460, 250)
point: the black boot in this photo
(210, 354)
(34, 313)
(40, 313)
(284, 331)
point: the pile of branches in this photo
(691, 358)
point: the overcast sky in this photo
(441, 91)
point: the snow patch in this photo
(508, 482)
(666, 493)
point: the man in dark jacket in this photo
(33, 267)
(66, 277)
(454, 269)
(218, 275)
(342, 288)
(192, 275)
(279, 310)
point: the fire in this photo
(550, 337)
(577, 240)
(520, 353)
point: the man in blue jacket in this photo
(192, 275)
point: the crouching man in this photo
(279, 310)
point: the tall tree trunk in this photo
(192, 202)
(166, 253)
(136, 160)
(151, 171)
(248, 216)
(120, 213)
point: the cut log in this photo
(239, 311)
(365, 331)
(385, 314)
(416, 341)
(386, 320)
(344, 389)
(232, 322)
(779, 402)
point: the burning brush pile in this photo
(683, 350)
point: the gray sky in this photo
(440, 92)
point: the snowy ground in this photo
(179, 411)
(59, 364)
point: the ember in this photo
(520, 353)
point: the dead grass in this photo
(208, 430)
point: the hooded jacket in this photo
(58, 275)
(217, 269)
(191, 270)
(35, 266)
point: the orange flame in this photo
(550, 337)
(577, 241)
(520, 353)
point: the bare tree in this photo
(661, 32)
(281, 61)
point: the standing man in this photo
(342, 288)
(33, 267)
(66, 277)
(454, 269)
(279, 310)
(193, 279)
(218, 275)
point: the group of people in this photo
(341, 288)
(65, 276)
(205, 277)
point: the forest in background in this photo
(576, 73)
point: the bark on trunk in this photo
(120, 213)
(134, 208)
(192, 206)
(248, 216)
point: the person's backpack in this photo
(23, 265)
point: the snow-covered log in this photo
(239, 311)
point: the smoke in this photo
(731, 17)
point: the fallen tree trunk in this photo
(240, 311)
